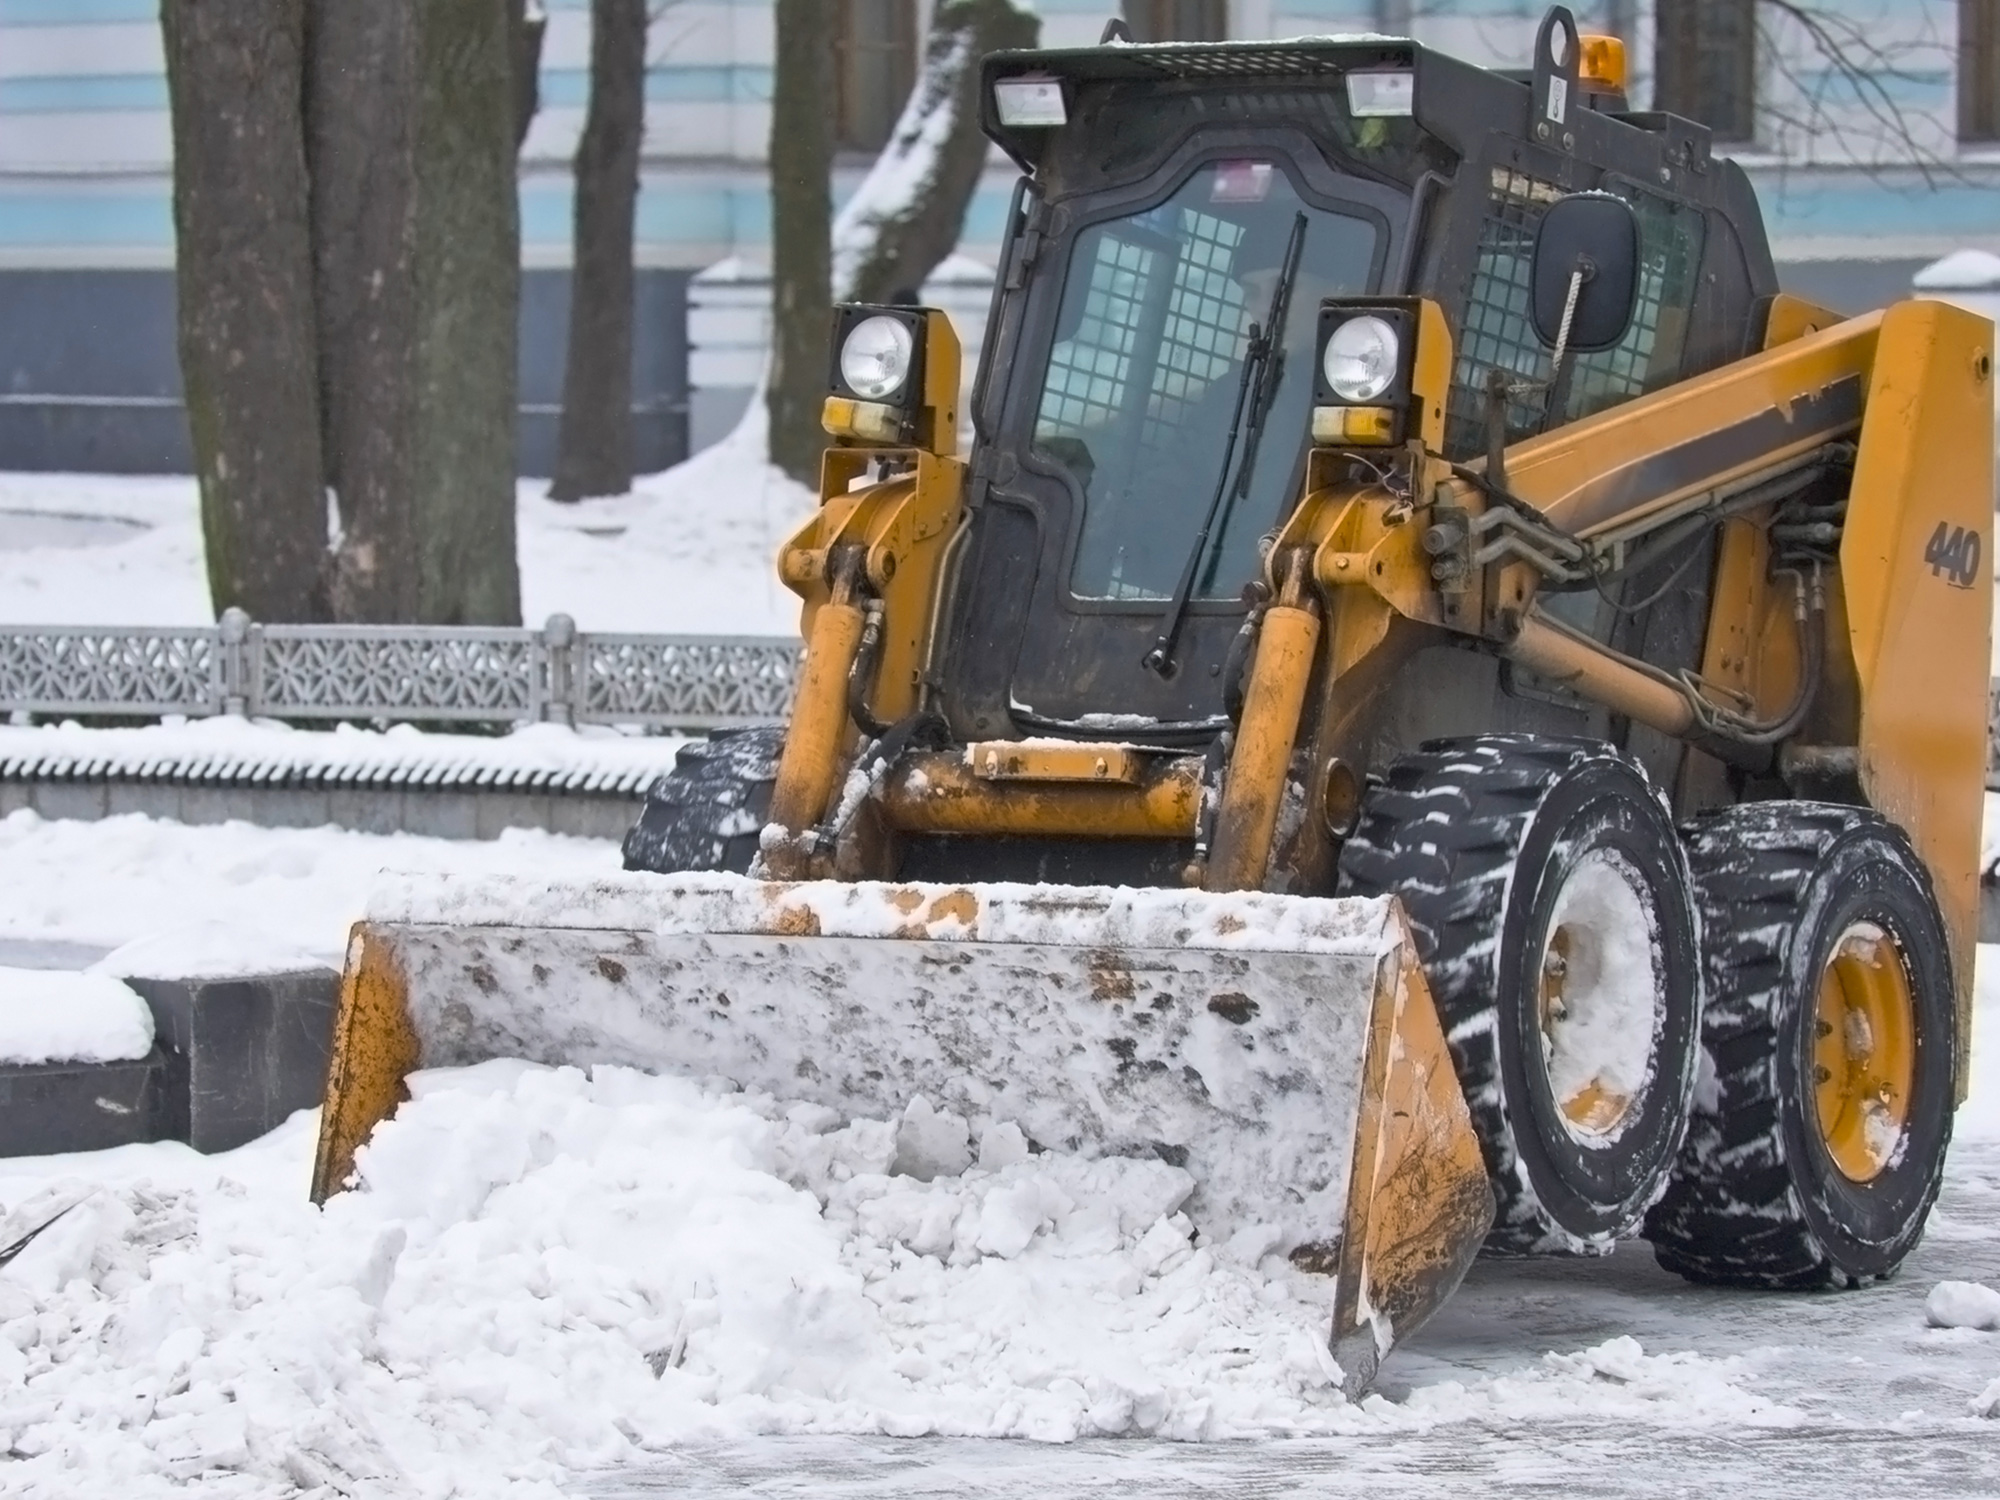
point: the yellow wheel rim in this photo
(1864, 1052)
(1597, 998)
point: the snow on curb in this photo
(228, 748)
(48, 1016)
(541, 1272)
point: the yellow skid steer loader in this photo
(1430, 653)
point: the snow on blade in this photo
(1221, 1032)
(996, 912)
(47, 1016)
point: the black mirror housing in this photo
(1599, 233)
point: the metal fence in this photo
(395, 672)
(432, 674)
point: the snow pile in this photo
(690, 551)
(1963, 1304)
(701, 552)
(47, 1016)
(263, 894)
(1960, 270)
(541, 1271)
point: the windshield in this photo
(1142, 379)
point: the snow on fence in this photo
(431, 674)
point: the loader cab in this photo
(1149, 238)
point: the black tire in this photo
(1484, 840)
(708, 811)
(1758, 1198)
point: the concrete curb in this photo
(451, 812)
(234, 1056)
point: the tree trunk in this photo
(244, 278)
(360, 118)
(910, 210)
(594, 436)
(801, 237)
(468, 279)
(528, 29)
(413, 119)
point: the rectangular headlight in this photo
(1381, 94)
(1029, 102)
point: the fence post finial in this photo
(233, 634)
(559, 642)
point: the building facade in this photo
(1872, 129)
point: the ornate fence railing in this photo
(424, 673)
(394, 672)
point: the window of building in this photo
(874, 68)
(1979, 70)
(1705, 64)
(1178, 20)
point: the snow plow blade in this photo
(1283, 1049)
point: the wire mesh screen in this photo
(1498, 331)
(1198, 338)
(1087, 374)
(1204, 328)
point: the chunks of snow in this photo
(1987, 1402)
(49, 1016)
(1963, 1304)
(541, 1271)
(1002, 1146)
(930, 1143)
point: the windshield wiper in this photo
(1263, 366)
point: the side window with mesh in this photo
(1144, 381)
(1496, 328)
(1196, 335)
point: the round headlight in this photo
(875, 360)
(1361, 358)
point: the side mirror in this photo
(1596, 234)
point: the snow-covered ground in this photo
(553, 1283)
(687, 552)
(618, 1285)
(155, 889)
